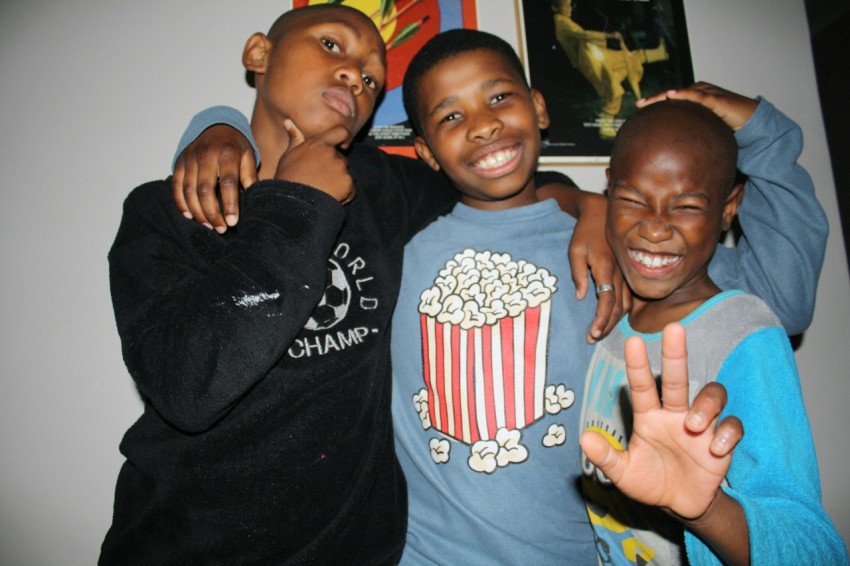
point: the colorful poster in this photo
(592, 59)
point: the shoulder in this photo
(370, 161)
(722, 323)
(150, 210)
(150, 196)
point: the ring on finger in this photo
(604, 288)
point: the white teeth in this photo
(495, 159)
(654, 261)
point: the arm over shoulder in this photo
(210, 117)
(780, 254)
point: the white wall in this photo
(93, 96)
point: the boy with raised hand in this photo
(672, 191)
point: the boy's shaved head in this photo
(295, 17)
(441, 47)
(682, 125)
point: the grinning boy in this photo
(672, 191)
(488, 349)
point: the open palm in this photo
(671, 462)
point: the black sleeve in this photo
(202, 318)
(429, 193)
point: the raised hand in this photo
(317, 162)
(734, 109)
(676, 459)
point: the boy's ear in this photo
(540, 107)
(424, 153)
(255, 55)
(730, 209)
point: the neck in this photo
(650, 316)
(271, 139)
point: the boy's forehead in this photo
(486, 64)
(355, 21)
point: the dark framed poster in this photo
(593, 59)
(405, 26)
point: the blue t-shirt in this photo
(489, 354)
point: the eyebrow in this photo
(485, 85)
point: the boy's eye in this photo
(450, 117)
(499, 97)
(629, 200)
(331, 45)
(369, 81)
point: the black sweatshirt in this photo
(266, 435)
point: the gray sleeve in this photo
(210, 117)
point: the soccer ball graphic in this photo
(334, 304)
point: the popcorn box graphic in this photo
(485, 330)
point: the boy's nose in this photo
(484, 127)
(655, 230)
(350, 75)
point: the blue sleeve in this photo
(210, 117)
(774, 473)
(780, 254)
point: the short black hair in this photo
(685, 124)
(443, 46)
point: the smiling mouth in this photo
(654, 261)
(340, 100)
(498, 162)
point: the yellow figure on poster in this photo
(605, 68)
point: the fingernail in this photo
(720, 444)
(187, 215)
(221, 229)
(208, 225)
(696, 420)
(230, 219)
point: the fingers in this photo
(729, 432)
(189, 190)
(205, 186)
(706, 407)
(177, 189)
(296, 137)
(609, 304)
(646, 101)
(639, 373)
(580, 278)
(317, 162)
(335, 136)
(213, 165)
(247, 177)
(674, 368)
(598, 450)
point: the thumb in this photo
(598, 450)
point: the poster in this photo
(592, 59)
(405, 26)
